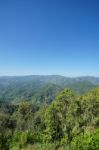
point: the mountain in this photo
(42, 88)
(47, 93)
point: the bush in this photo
(86, 142)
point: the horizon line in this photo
(27, 75)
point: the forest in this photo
(48, 115)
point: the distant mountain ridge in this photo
(55, 79)
(42, 87)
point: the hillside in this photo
(38, 88)
(70, 122)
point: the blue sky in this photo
(49, 37)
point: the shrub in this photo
(86, 142)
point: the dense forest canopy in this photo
(40, 113)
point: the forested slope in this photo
(69, 122)
(39, 88)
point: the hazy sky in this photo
(49, 37)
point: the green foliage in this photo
(86, 142)
(69, 122)
(21, 139)
(57, 118)
(5, 139)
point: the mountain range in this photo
(42, 88)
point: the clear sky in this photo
(49, 37)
